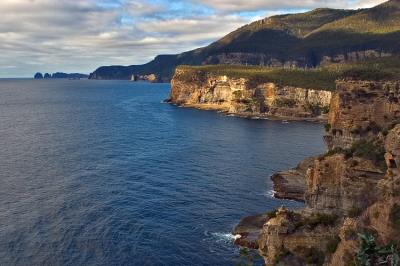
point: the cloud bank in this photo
(80, 35)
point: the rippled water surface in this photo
(103, 173)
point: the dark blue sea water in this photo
(103, 173)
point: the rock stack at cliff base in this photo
(352, 190)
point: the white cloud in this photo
(80, 35)
(254, 5)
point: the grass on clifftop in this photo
(315, 78)
(322, 78)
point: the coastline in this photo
(224, 109)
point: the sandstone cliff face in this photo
(348, 190)
(291, 238)
(262, 59)
(361, 109)
(339, 185)
(353, 56)
(291, 184)
(240, 96)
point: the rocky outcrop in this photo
(297, 238)
(248, 230)
(360, 110)
(354, 188)
(339, 185)
(149, 78)
(291, 184)
(353, 56)
(244, 97)
(60, 75)
(261, 59)
(38, 75)
(392, 148)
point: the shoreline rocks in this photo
(249, 229)
(291, 184)
(350, 190)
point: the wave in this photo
(270, 194)
(225, 237)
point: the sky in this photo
(81, 35)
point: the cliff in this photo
(291, 184)
(246, 96)
(309, 39)
(352, 193)
(61, 75)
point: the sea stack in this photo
(38, 75)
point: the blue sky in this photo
(80, 35)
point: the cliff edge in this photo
(247, 95)
(352, 193)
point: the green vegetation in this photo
(285, 102)
(374, 20)
(311, 255)
(271, 214)
(316, 219)
(328, 127)
(248, 257)
(316, 109)
(320, 218)
(354, 212)
(392, 125)
(238, 95)
(317, 78)
(281, 255)
(368, 150)
(311, 78)
(350, 234)
(394, 217)
(333, 244)
(304, 38)
(370, 253)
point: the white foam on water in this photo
(225, 237)
(270, 194)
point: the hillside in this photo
(296, 40)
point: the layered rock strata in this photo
(354, 188)
(291, 184)
(242, 97)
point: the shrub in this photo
(319, 219)
(281, 254)
(333, 244)
(328, 127)
(350, 234)
(394, 216)
(284, 102)
(386, 130)
(373, 127)
(271, 214)
(333, 152)
(325, 109)
(314, 108)
(370, 253)
(311, 255)
(369, 151)
(237, 94)
(354, 212)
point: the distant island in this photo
(60, 75)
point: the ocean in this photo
(105, 173)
